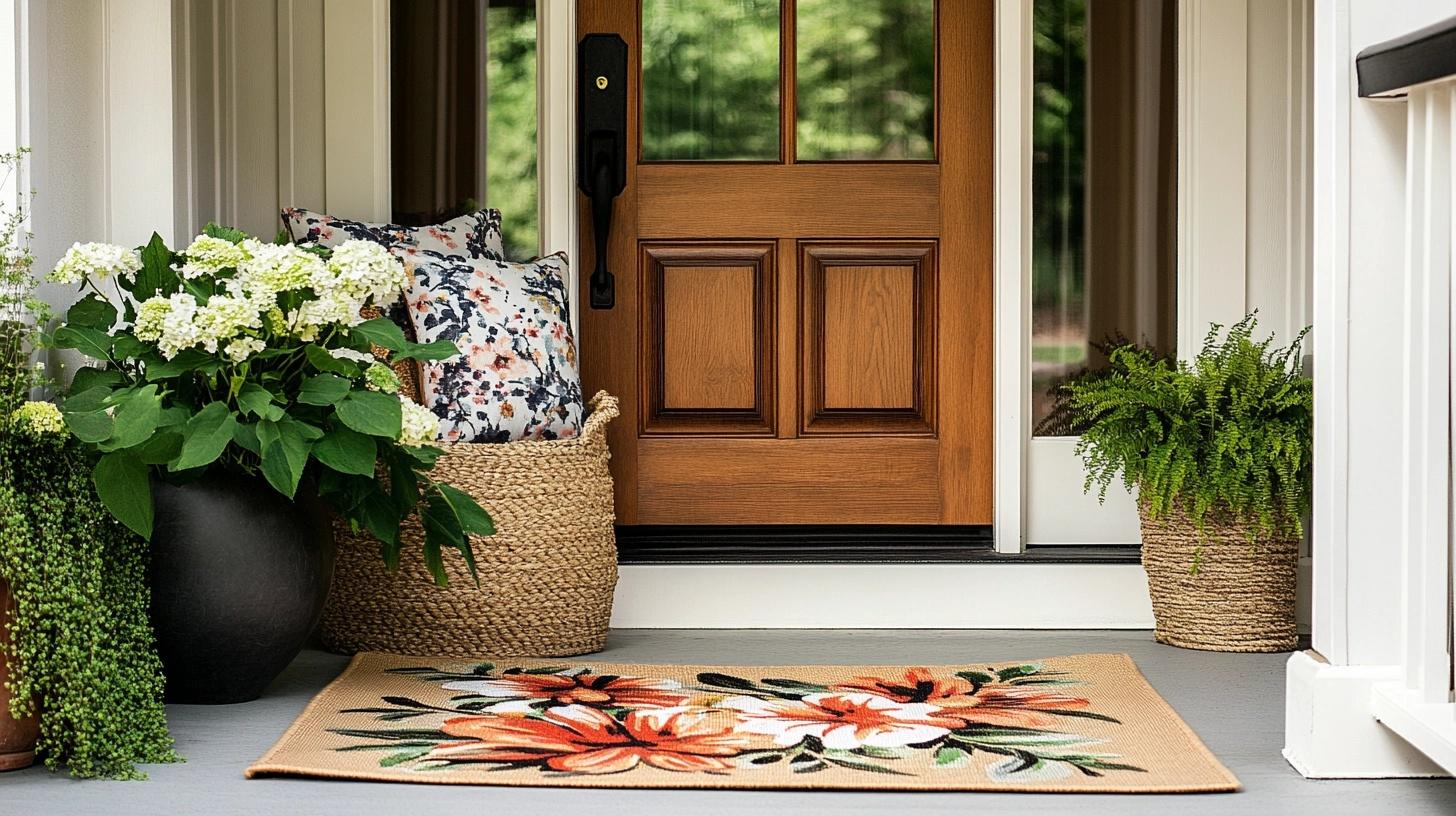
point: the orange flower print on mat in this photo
(916, 685)
(843, 720)
(1016, 707)
(580, 720)
(583, 687)
(581, 739)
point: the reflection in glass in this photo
(1103, 201)
(463, 94)
(510, 124)
(866, 79)
(710, 80)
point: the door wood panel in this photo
(868, 351)
(869, 337)
(839, 480)
(868, 321)
(792, 200)
(707, 339)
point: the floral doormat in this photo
(1078, 724)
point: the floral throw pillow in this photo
(516, 377)
(475, 235)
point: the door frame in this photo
(1213, 40)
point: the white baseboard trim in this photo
(1330, 730)
(883, 596)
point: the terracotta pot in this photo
(17, 737)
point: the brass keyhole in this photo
(601, 83)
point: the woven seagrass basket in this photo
(1240, 598)
(547, 576)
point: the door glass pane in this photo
(1103, 202)
(463, 131)
(710, 80)
(866, 79)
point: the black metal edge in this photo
(842, 544)
(1388, 68)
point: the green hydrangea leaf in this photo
(124, 487)
(92, 312)
(254, 399)
(346, 451)
(436, 351)
(138, 411)
(320, 358)
(370, 412)
(323, 389)
(382, 332)
(205, 436)
(93, 343)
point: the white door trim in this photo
(556, 136)
(1012, 375)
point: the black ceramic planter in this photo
(239, 575)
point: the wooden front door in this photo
(803, 318)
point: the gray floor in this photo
(1235, 702)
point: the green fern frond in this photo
(1230, 431)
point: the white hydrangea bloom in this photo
(418, 425)
(207, 255)
(363, 269)
(39, 419)
(179, 326)
(100, 260)
(149, 318)
(273, 268)
(242, 348)
(313, 315)
(224, 317)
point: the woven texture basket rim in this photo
(546, 577)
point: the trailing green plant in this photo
(80, 639)
(254, 358)
(1229, 432)
(80, 642)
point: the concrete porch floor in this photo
(1234, 702)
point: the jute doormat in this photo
(1079, 724)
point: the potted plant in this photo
(74, 633)
(238, 404)
(1219, 450)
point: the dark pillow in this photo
(474, 235)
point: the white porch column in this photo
(1363, 702)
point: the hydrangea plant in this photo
(254, 357)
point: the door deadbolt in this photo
(601, 83)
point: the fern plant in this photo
(1229, 433)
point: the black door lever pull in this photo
(603, 285)
(601, 138)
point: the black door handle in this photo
(601, 97)
(603, 285)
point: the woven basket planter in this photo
(547, 576)
(1241, 599)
